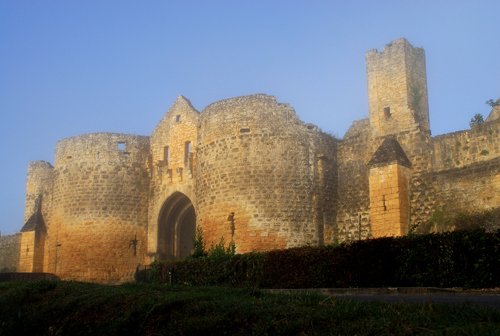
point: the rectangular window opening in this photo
(387, 112)
(178, 118)
(245, 130)
(166, 155)
(187, 152)
(121, 146)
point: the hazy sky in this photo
(74, 67)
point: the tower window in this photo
(387, 112)
(187, 152)
(166, 155)
(178, 118)
(121, 146)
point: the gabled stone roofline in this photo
(181, 100)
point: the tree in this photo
(198, 244)
(476, 120)
(493, 103)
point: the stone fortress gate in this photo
(248, 171)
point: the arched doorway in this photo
(176, 227)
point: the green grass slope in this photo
(69, 308)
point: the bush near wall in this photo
(453, 259)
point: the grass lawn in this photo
(72, 308)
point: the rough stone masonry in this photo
(247, 170)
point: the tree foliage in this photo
(476, 120)
(493, 103)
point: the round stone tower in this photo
(96, 227)
(259, 174)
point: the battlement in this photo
(101, 147)
(245, 115)
(397, 46)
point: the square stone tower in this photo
(397, 89)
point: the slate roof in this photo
(389, 152)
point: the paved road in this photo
(490, 298)
(485, 300)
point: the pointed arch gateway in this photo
(176, 227)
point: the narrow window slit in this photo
(387, 112)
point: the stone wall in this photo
(475, 187)
(459, 149)
(99, 207)
(9, 252)
(325, 188)
(257, 160)
(353, 199)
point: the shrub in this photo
(477, 120)
(445, 219)
(198, 244)
(450, 259)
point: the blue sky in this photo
(74, 67)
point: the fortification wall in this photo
(173, 148)
(418, 148)
(435, 180)
(459, 149)
(353, 209)
(9, 252)
(475, 187)
(326, 184)
(355, 151)
(257, 160)
(100, 200)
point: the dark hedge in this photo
(469, 259)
